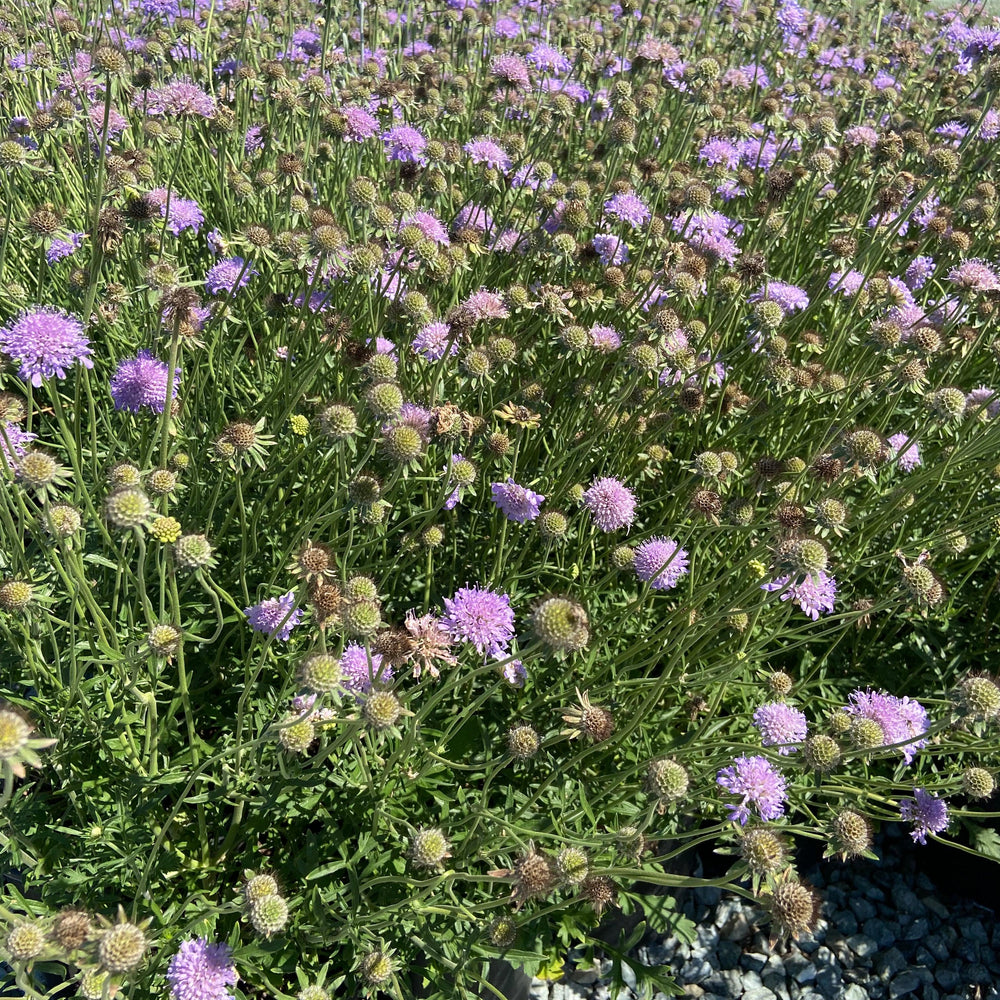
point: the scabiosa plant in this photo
(276, 615)
(229, 275)
(901, 720)
(482, 617)
(611, 504)
(143, 381)
(201, 971)
(45, 341)
(905, 450)
(814, 594)
(518, 503)
(660, 562)
(627, 206)
(758, 784)
(926, 812)
(361, 668)
(780, 726)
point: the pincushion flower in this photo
(758, 783)
(482, 617)
(517, 502)
(903, 721)
(780, 725)
(360, 667)
(814, 593)
(228, 275)
(611, 503)
(276, 615)
(45, 341)
(660, 562)
(926, 812)
(201, 971)
(907, 455)
(142, 381)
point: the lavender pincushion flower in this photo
(360, 667)
(660, 562)
(228, 275)
(814, 594)
(142, 381)
(18, 440)
(902, 720)
(278, 614)
(780, 725)
(926, 812)
(517, 502)
(201, 971)
(45, 341)
(611, 503)
(482, 617)
(759, 784)
(626, 206)
(909, 458)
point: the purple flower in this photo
(813, 594)
(360, 124)
(253, 141)
(926, 812)
(142, 381)
(909, 458)
(611, 504)
(548, 59)
(432, 341)
(278, 614)
(430, 225)
(510, 70)
(482, 617)
(405, 144)
(517, 502)
(228, 275)
(604, 338)
(975, 275)
(360, 667)
(483, 149)
(45, 341)
(61, 249)
(610, 249)
(179, 98)
(201, 971)
(18, 439)
(660, 562)
(183, 213)
(514, 673)
(918, 271)
(780, 725)
(626, 206)
(758, 783)
(899, 718)
(473, 216)
(791, 298)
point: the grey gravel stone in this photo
(801, 970)
(976, 973)
(883, 934)
(863, 908)
(907, 901)
(888, 963)
(973, 930)
(729, 954)
(845, 921)
(862, 945)
(936, 945)
(936, 907)
(917, 930)
(855, 992)
(906, 982)
(946, 978)
(760, 993)
(829, 981)
(753, 961)
(695, 969)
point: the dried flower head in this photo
(592, 721)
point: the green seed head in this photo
(821, 752)
(403, 443)
(297, 737)
(377, 968)
(122, 947)
(361, 588)
(572, 865)
(866, 734)
(193, 552)
(979, 698)
(553, 525)
(63, 521)
(164, 640)
(622, 557)
(831, 513)
(269, 915)
(257, 887)
(381, 709)
(978, 783)
(161, 482)
(852, 833)
(312, 993)
(809, 556)
(523, 742)
(128, 508)
(361, 619)
(708, 465)
(667, 780)
(321, 672)
(503, 931)
(949, 403)
(384, 399)
(16, 596)
(429, 848)
(25, 942)
(763, 850)
(561, 625)
(38, 470)
(338, 422)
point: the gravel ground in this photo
(885, 934)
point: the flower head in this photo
(278, 614)
(201, 971)
(660, 562)
(902, 721)
(517, 502)
(611, 503)
(45, 341)
(626, 206)
(431, 644)
(142, 381)
(482, 617)
(228, 275)
(758, 783)
(926, 812)
(814, 593)
(180, 98)
(907, 456)
(780, 725)
(361, 667)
